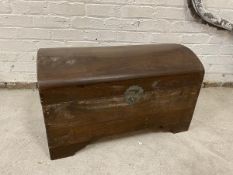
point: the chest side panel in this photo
(82, 113)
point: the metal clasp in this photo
(133, 94)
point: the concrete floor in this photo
(206, 149)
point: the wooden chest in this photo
(90, 93)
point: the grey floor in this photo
(206, 149)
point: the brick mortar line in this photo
(124, 4)
(51, 29)
(100, 41)
(34, 85)
(70, 18)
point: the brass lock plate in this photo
(133, 94)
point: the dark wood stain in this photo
(83, 92)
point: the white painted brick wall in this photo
(26, 25)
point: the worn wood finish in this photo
(84, 92)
